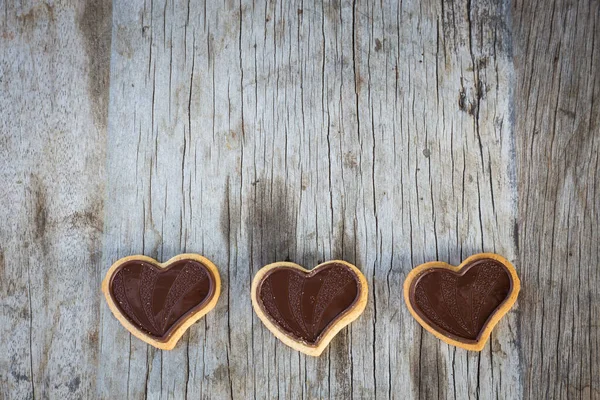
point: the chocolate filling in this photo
(305, 305)
(460, 304)
(158, 300)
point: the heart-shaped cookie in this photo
(158, 302)
(461, 305)
(306, 309)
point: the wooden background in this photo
(386, 133)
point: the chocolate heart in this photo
(460, 303)
(305, 304)
(158, 300)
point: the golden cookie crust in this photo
(495, 317)
(350, 315)
(192, 318)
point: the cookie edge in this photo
(189, 321)
(496, 316)
(311, 350)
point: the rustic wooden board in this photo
(54, 62)
(384, 133)
(253, 133)
(557, 99)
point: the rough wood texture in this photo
(385, 133)
(253, 133)
(558, 104)
(54, 62)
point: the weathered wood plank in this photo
(54, 64)
(558, 118)
(255, 132)
(377, 132)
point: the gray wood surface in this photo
(54, 61)
(558, 107)
(384, 133)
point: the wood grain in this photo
(384, 133)
(53, 99)
(253, 133)
(557, 101)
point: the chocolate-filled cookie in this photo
(158, 302)
(306, 309)
(461, 305)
